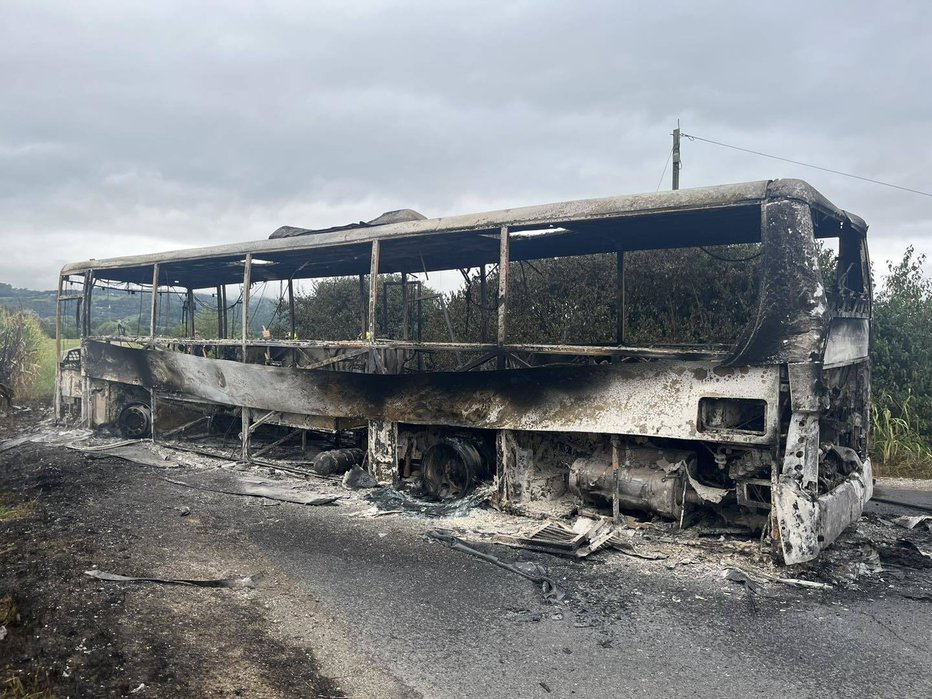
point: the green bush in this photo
(20, 337)
(902, 369)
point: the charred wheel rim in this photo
(135, 421)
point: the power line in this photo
(669, 154)
(814, 167)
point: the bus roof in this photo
(719, 215)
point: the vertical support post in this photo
(502, 464)
(483, 304)
(503, 252)
(153, 317)
(405, 322)
(154, 306)
(245, 412)
(220, 312)
(88, 293)
(189, 299)
(420, 324)
(373, 291)
(246, 419)
(373, 365)
(676, 155)
(226, 316)
(363, 308)
(620, 297)
(405, 316)
(58, 324)
(294, 325)
(247, 282)
(153, 414)
(616, 466)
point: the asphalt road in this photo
(370, 607)
(443, 624)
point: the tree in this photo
(902, 347)
(335, 307)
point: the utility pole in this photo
(676, 155)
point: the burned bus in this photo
(768, 431)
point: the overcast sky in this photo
(136, 127)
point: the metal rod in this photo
(616, 466)
(405, 316)
(246, 434)
(58, 329)
(264, 419)
(420, 325)
(373, 291)
(350, 354)
(88, 291)
(153, 413)
(247, 282)
(220, 305)
(502, 292)
(680, 352)
(226, 313)
(363, 307)
(620, 297)
(189, 300)
(277, 442)
(182, 428)
(154, 306)
(294, 326)
(483, 304)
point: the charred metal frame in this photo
(794, 347)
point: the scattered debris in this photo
(912, 522)
(917, 596)
(248, 582)
(526, 569)
(337, 461)
(138, 689)
(925, 549)
(627, 548)
(392, 501)
(271, 492)
(585, 537)
(753, 580)
(184, 511)
(357, 478)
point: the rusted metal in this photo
(371, 330)
(652, 399)
(503, 256)
(154, 304)
(247, 284)
(292, 320)
(784, 407)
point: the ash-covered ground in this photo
(354, 601)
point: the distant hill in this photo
(111, 308)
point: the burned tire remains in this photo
(451, 467)
(135, 421)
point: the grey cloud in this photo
(166, 124)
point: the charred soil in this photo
(66, 634)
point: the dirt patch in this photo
(66, 634)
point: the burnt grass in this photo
(63, 512)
